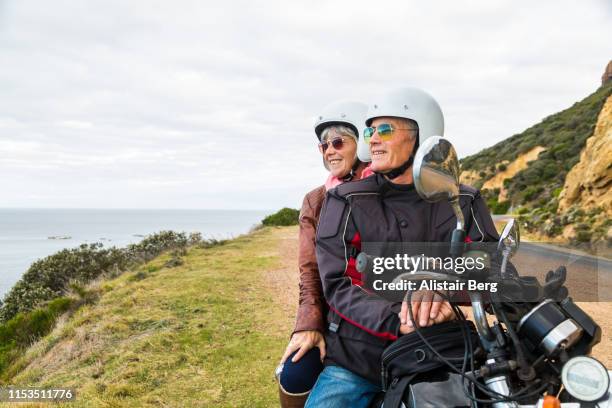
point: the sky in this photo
(210, 104)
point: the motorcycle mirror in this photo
(436, 170)
(436, 178)
(510, 238)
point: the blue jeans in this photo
(337, 387)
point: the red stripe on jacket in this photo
(384, 335)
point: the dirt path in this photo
(284, 283)
(285, 280)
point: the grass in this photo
(208, 332)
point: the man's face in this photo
(387, 155)
(340, 160)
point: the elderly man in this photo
(382, 208)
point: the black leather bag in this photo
(411, 372)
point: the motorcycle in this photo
(534, 355)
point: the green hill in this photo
(555, 145)
(206, 331)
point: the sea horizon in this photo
(29, 234)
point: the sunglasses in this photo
(385, 132)
(337, 143)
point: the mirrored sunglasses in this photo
(385, 132)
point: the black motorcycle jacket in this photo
(361, 324)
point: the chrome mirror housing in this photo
(436, 170)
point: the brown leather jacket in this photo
(310, 314)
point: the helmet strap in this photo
(398, 171)
(353, 171)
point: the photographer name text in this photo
(436, 285)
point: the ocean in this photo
(30, 234)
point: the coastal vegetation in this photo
(282, 218)
(207, 332)
(534, 191)
(59, 284)
(52, 276)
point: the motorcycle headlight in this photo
(547, 328)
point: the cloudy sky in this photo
(209, 104)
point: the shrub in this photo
(502, 207)
(53, 276)
(552, 206)
(209, 243)
(176, 259)
(530, 193)
(553, 230)
(496, 207)
(284, 217)
(138, 276)
(25, 328)
(583, 236)
(594, 211)
(550, 171)
(582, 226)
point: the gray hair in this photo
(410, 123)
(339, 129)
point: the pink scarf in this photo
(333, 181)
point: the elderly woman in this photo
(337, 129)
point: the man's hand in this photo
(304, 341)
(405, 329)
(427, 308)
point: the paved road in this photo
(555, 253)
(589, 277)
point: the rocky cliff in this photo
(607, 75)
(557, 174)
(589, 182)
(587, 191)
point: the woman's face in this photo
(340, 160)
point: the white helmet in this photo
(410, 103)
(346, 113)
